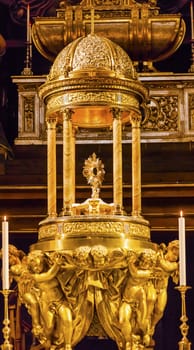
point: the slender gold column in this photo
(68, 163)
(117, 161)
(73, 164)
(136, 165)
(51, 167)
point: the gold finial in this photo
(92, 20)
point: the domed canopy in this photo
(91, 76)
(92, 54)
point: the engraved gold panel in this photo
(81, 226)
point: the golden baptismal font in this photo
(94, 270)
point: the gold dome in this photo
(92, 53)
(91, 76)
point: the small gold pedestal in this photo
(6, 329)
(184, 343)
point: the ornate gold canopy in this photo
(92, 84)
(91, 76)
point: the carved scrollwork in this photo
(110, 228)
(28, 114)
(162, 114)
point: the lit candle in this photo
(28, 24)
(5, 254)
(191, 12)
(182, 250)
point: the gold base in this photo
(6, 322)
(184, 345)
(27, 71)
(6, 346)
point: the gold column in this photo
(136, 165)
(68, 162)
(73, 164)
(117, 161)
(51, 167)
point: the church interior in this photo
(167, 141)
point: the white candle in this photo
(182, 251)
(28, 24)
(191, 12)
(5, 254)
(30, 42)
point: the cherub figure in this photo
(40, 291)
(134, 301)
(99, 254)
(15, 257)
(55, 314)
(167, 265)
(26, 287)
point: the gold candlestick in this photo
(6, 329)
(184, 343)
(28, 62)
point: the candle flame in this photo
(4, 218)
(181, 213)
